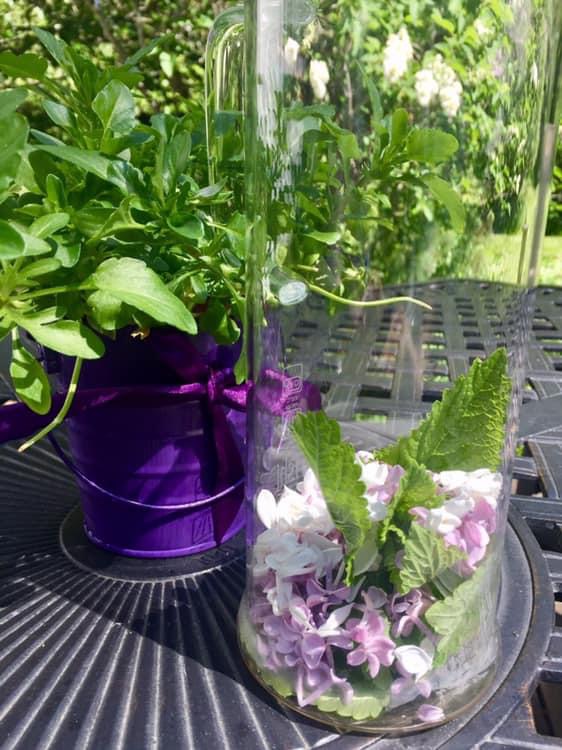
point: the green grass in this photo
(551, 261)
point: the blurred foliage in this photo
(554, 225)
(112, 30)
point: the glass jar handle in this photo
(224, 97)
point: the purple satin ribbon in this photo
(216, 384)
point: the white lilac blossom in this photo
(381, 483)
(319, 76)
(291, 53)
(438, 81)
(398, 52)
(426, 87)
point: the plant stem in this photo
(72, 387)
(54, 290)
(367, 303)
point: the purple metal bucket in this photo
(153, 482)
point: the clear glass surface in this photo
(397, 164)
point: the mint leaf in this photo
(416, 488)
(466, 429)
(457, 618)
(333, 462)
(425, 557)
(370, 698)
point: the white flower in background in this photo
(319, 77)
(439, 80)
(426, 87)
(291, 52)
(451, 98)
(482, 29)
(398, 52)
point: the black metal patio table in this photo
(105, 652)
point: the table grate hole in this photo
(546, 705)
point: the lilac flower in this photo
(406, 611)
(374, 647)
(381, 481)
(412, 664)
(428, 713)
(319, 681)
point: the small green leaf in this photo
(217, 321)
(34, 245)
(13, 138)
(47, 225)
(145, 51)
(348, 146)
(457, 617)
(56, 47)
(30, 380)
(430, 146)
(68, 255)
(64, 336)
(23, 66)
(41, 268)
(416, 488)
(89, 161)
(12, 244)
(425, 557)
(131, 281)
(115, 107)
(59, 114)
(398, 128)
(107, 311)
(10, 100)
(166, 63)
(466, 429)
(326, 238)
(333, 462)
(190, 227)
(445, 194)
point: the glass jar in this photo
(397, 168)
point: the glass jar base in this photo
(394, 721)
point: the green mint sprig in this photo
(466, 429)
(333, 462)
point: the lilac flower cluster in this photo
(321, 635)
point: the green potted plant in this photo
(112, 256)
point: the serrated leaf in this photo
(131, 281)
(30, 380)
(425, 557)
(23, 66)
(466, 429)
(370, 698)
(430, 146)
(457, 617)
(416, 488)
(445, 194)
(333, 462)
